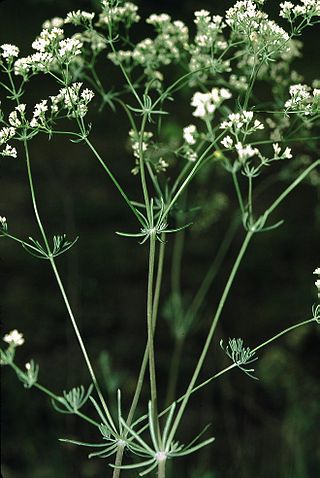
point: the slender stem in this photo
(210, 334)
(152, 368)
(157, 289)
(191, 174)
(154, 319)
(283, 332)
(293, 185)
(213, 270)
(144, 364)
(114, 180)
(33, 197)
(238, 191)
(62, 290)
(162, 469)
(81, 343)
(250, 196)
(142, 169)
(118, 461)
(53, 396)
(234, 365)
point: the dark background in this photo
(262, 429)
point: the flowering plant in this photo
(219, 69)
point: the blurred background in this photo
(263, 428)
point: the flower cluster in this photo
(93, 39)
(73, 100)
(135, 145)
(3, 224)
(239, 83)
(208, 43)
(68, 49)
(39, 115)
(190, 134)
(207, 103)
(240, 126)
(79, 18)
(317, 282)
(6, 134)
(286, 154)
(14, 338)
(9, 52)
(168, 46)
(114, 14)
(303, 100)
(17, 116)
(55, 22)
(307, 9)
(242, 122)
(262, 35)
(51, 49)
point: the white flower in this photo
(258, 125)
(245, 151)
(276, 149)
(9, 51)
(285, 9)
(55, 22)
(14, 338)
(21, 108)
(22, 66)
(28, 366)
(207, 103)
(69, 47)
(78, 17)
(9, 151)
(155, 19)
(47, 39)
(227, 142)
(201, 14)
(14, 120)
(87, 95)
(317, 271)
(188, 134)
(287, 154)
(317, 284)
(6, 134)
(191, 156)
(3, 222)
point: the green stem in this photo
(238, 191)
(114, 180)
(142, 169)
(283, 332)
(213, 270)
(162, 469)
(154, 319)
(118, 461)
(234, 365)
(56, 273)
(210, 334)
(191, 174)
(54, 397)
(119, 455)
(292, 186)
(150, 328)
(250, 196)
(81, 343)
